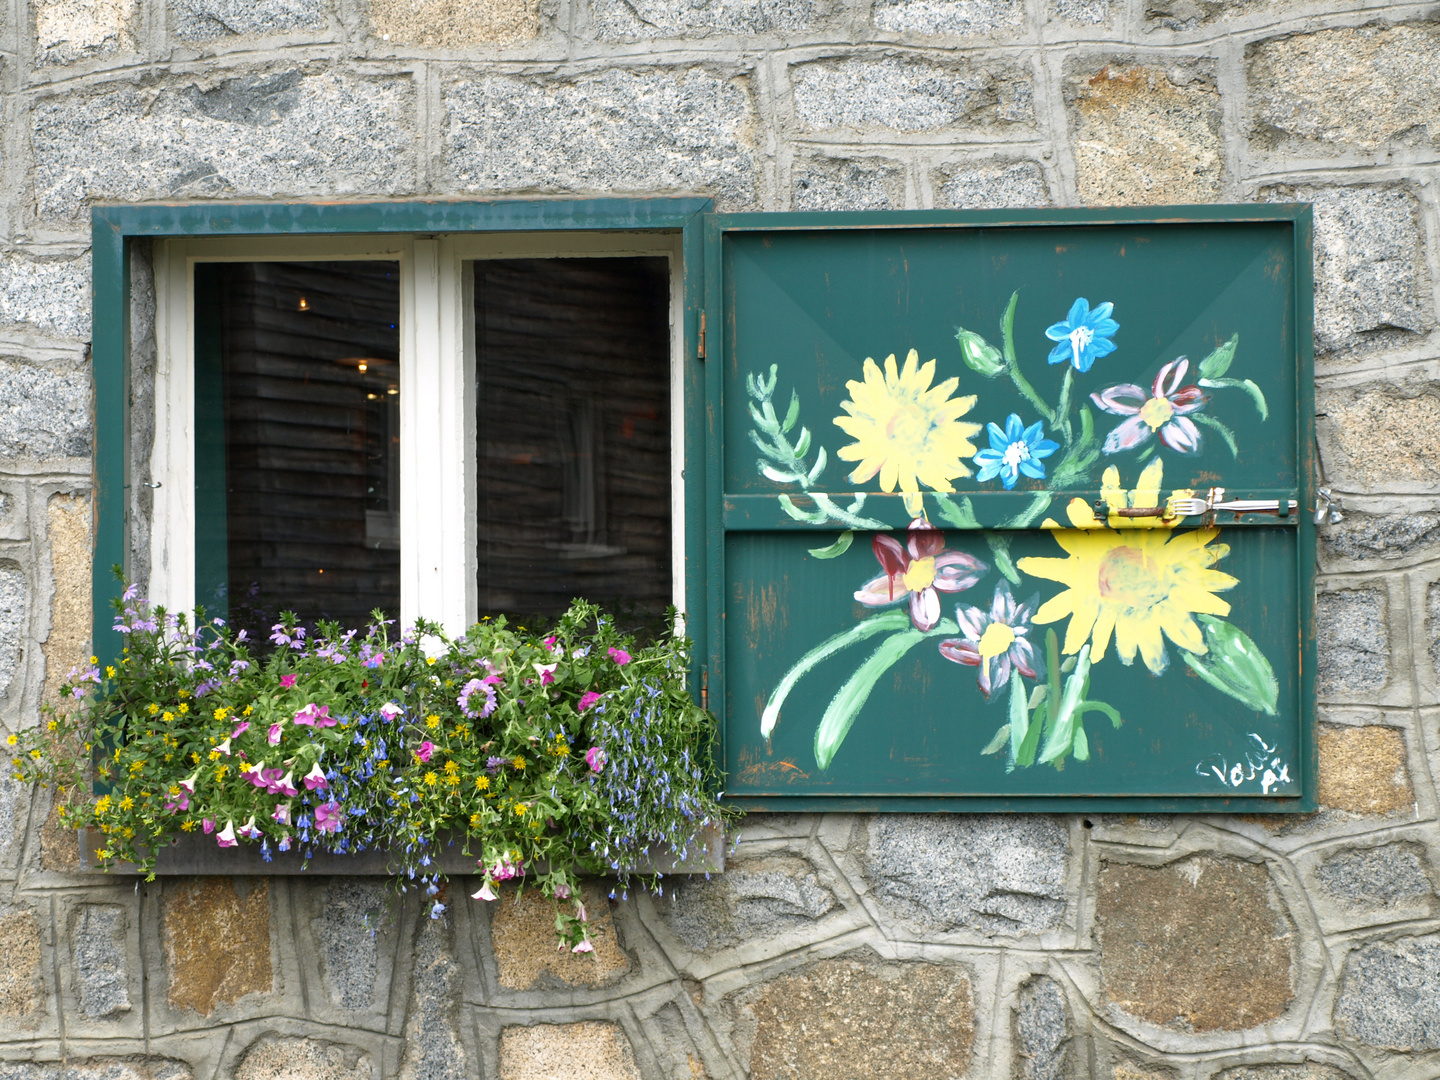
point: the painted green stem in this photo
(1067, 715)
(851, 697)
(889, 620)
(1007, 335)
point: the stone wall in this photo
(1129, 948)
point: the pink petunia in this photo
(620, 656)
(1164, 412)
(316, 715)
(287, 681)
(485, 893)
(273, 736)
(422, 755)
(282, 813)
(240, 729)
(590, 697)
(315, 778)
(390, 710)
(583, 947)
(250, 831)
(596, 758)
(208, 825)
(920, 571)
(226, 836)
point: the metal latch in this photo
(1327, 508)
(1193, 507)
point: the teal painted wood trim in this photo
(110, 360)
(692, 248)
(1032, 804)
(714, 465)
(993, 509)
(920, 219)
(1309, 462)
(440, 215)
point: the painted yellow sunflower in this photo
(906, 431)
(1138, 580)
(1146, 493)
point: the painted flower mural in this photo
(906, 431)
(1142, 585)
(1083, 336)
(996, 640)
(1164, 412)
(919, 571)
(1015, 450)
(1127, 574)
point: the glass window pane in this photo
(298, 440)
(572, 367)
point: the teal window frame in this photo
(115, 228)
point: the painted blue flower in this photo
(1015, 450)
(1084, 335)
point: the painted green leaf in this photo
(1080, 746)
(851, 697)
(1235, 665)
(979, 355)
(1218, 362)
(1256, 394)
(1019, 716)
(1225, 432)
(1001, 738)
(838, 548)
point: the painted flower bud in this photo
(979, 355)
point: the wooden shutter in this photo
(1162, 661)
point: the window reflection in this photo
(297, 440)
(573, 436)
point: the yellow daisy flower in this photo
(1136, 580)
(906, 431)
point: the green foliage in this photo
(546, 755)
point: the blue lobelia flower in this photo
(1015, 450)
(1084, 335)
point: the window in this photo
(448, 426)
(1013, 579)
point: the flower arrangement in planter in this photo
(546, 755)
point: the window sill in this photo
(195, 856)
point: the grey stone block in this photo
(1390, 995)
(99, 1068)
(433, 1047)
(1042, 1031)
(646, 130)
(97, 956)
(991, 185)
(1365, 537)
(989, 872)
(1377, 877)
(52, 295)
(752, 900)
(1083, 12)
(277, 1058)
(836, 184)
(947, 16)
(13, 596)
(1432, 624)
(345, 931)
(43, 413)
(909, 94)
(207, 20)
(71, 30)
(1307, 1070)
(1352, 640)
(1367, 257)
(638, 20)
(1349, 88)
(261, 135)
(13, 801)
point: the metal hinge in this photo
(700, 352)
(705, 689)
